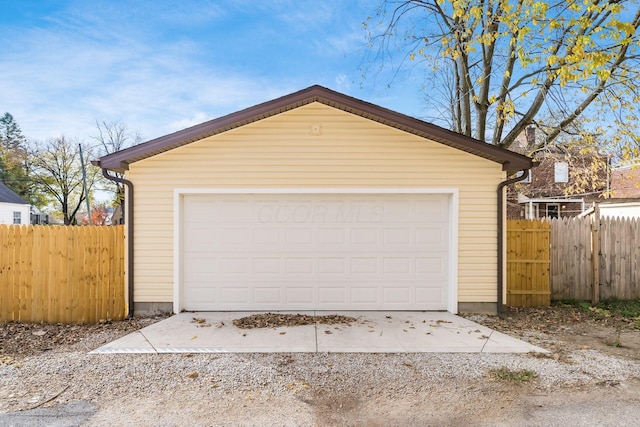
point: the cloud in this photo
(158, 66)
(60, 79)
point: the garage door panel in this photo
(433, 236)
(332, 295)
(320, 251)
(434, 210)
(235, 295)
(397, 295)
(332, 266)
(300, 295)
(431, 295)
(435, 266)
(267, 265)
(268, 295)
(365, 265)
(266, 236)
(331, 236)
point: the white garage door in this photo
(315, 251)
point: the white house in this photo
(13, 208)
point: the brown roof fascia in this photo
(120, 160)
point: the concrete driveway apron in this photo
(373, 332)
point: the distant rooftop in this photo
(7, 195)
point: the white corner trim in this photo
(178, 198)
(453, 256)
(177, 252)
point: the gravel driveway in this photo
(584, 386)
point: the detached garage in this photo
(314, 201)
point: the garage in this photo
(314, 201)
(316, 251)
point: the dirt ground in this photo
(327, 390)
(563, 329)
(559, 329)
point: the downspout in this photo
(129, 221)
(501, 234)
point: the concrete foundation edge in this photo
(145, 309)
(478, 307)
(153, 308)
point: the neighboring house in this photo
(315, 201)
(625, 181)
(38, 217)
(559, 185)
(13, 208)
(117, 216)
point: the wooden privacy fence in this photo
(567, 267)
(528, 263)
(617, 264)
(58, 274)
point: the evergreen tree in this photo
(14, 159)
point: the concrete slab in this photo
(373, 332)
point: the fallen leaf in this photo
(192, 375)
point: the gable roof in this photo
(7, 195)
(120, 160)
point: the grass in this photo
(629, 309)
(520, 376)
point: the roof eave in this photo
(120, 160)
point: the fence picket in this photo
(61, 274)
(528, 263)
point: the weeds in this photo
(521, 376)
(616, 341)
(628, 309)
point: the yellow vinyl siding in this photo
(281, 152)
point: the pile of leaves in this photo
(275, 320)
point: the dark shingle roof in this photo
(120, 160)
(8, 196)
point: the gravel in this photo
(307, 388)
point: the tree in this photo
(14, 158)
(511, 61)
(99, 215)
(115, 136)
(58, 174)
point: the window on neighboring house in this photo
(17, 217)
(561, 170)
(553, 210)
(532, 211)
(527, 179)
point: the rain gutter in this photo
(501, 234)
(129, 223)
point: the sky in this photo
(160, 66)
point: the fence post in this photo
(595, 253)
